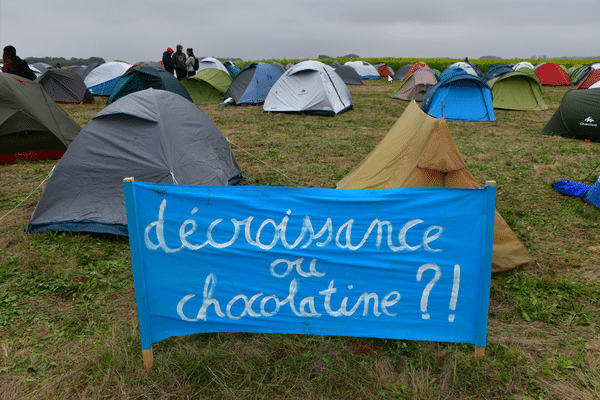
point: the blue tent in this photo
(460, 97)
(451, 71)
(253, 83)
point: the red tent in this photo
(593, 77)
(416, 66)
(552, 74)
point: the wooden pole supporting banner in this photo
(148, 358)
(479, 352)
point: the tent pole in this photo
(590, 173)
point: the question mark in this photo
(425, 296)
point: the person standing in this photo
(179, 59)
(13, 64)
(190, 62)
(167, 60)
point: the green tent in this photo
(517, 91)
(577, 116)
(207, 86)
(531, 73)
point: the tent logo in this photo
(589, 121)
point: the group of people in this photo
(178, 63)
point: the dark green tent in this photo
(207, 86)
(32, 125)
(146, 77)
(517, 91)
(577, 116)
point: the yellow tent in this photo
(419, 151)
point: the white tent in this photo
(210, 62)
(102, 79)
(364, 69)
(466, 66)
(522, 64)
(311, 87)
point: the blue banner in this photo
(410, 263)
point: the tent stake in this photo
(148, 358)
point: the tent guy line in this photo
(29, 195)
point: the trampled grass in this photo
(68, 322)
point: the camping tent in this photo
(364, 69)
(496, 70)
(348, 75)
(402, 72)
(419, 151)
(252, 84)
(384, 70)
(416, 86)
(416, 66)
(453, 70)
(309, 87)
(32, 125)
(552, 74)
(466, 66)
(461, 97)
(151, 135)
(103, 78)
(211, 62)
(145, 77)
(207, 86)
(517, 91)
(523, 64)
(577, 116)
(65, 86)
(591, 76)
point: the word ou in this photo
(343, 237)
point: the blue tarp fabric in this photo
(571, 188)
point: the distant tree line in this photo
(63, 61)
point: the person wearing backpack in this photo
(191, 62)
(180, 66)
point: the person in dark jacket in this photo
(168, 62)
(13, 64)
(179, 59)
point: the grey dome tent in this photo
(32, 125)
(65, 86)
(309, 87)
(152, 135)
(577, 116)
(348, 75)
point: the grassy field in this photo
(68, 321)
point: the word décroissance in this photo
(154, 234)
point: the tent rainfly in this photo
(419, 151)
(577, 116)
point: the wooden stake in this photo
(479, 352)
(148, 358)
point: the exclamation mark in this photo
(455, 287)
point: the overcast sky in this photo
(134, 31)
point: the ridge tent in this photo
(152, 135)
(32, 125)
(419, 151)
(402, 72)
(252, 84)
(309, 87)
(101, 80)
(65, 86)
(211, 62)
(348, 75)
(461, 97)
(577, 116)
(416, 86)
(364, 69)
(144, 77)
(552, 74)
(517, 91)
(207, 86)
(384, 70)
